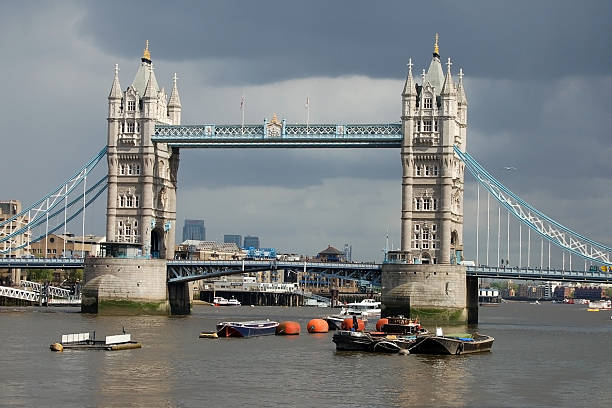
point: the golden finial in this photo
(146, 54)
(436, 49)
(274, 119)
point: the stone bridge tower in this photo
(142, 176)
(434, 119)
(424, 279)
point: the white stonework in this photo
(434, 119)
(142, 176)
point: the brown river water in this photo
(547, 355)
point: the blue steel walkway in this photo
(186, 271)
(280, 134)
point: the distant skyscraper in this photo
(236, 239)
(348, 252)
(194, 229)
(250, 241)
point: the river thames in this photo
(546, 355)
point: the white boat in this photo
(365, 308)
(221, 301)
(600, 304)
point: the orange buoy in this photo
(347, 324)
(380, 323)
(287, 328)
(317, 326)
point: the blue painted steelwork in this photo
(539, 274)
(548, 228)
(290, 136)
(185, 271)
(34, 214)
(42, 263)
(99, 186)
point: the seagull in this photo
(510, 168)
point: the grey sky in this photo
(538, 82)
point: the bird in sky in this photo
(510, 168)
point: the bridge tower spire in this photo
(433, 121)
(141, 205)
(424, 279)
(174, 105)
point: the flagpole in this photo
(242, 109)
(307, 114)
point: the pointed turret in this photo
(175, 100)
(174, 105)
(144, 74)
(461, 98)
(115, 92)
(409, 87)
(449, 87)
(150, 90)
(435, 74)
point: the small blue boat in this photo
(246, 329)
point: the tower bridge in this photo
(144, 139)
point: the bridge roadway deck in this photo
(184, 271)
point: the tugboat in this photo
(335, 321)
(400, 325)
(352, 340)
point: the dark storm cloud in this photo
(276, 39)
(290, 169)
(538, 81)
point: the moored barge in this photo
(82, 341)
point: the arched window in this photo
(129, 202)
(138, 169)
(136, 202)
(427, 103)
(129, 169)
(417, 203)
(121, 203)
(122, 169)
(435, 205)
(427, 170)
(426, 204)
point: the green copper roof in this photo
(435, 75)
(142, 77)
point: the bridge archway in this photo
(156, 243)
(425, 258)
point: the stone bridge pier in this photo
(132, 286)
(432, 293)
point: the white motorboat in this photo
(221, 301)
(365, 308)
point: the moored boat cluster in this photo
(393, 335)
